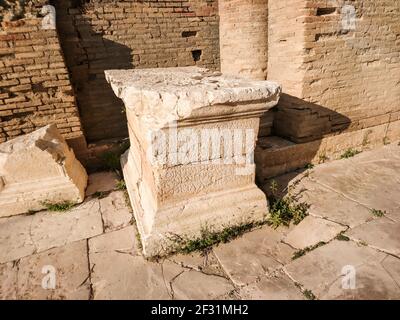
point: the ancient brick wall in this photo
(35, 89)
(109, 34)
(347, 72)
(244, 37)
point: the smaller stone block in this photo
(36, 168)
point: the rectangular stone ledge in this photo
(191, 161)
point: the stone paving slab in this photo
(23, 235)
(320, 269)
(312, 231)
(102, 182)
(253, 255)
(382, 234)
(8, 280)
(275, 287)
(29, 277)
(114, 211)
(118, 272)
(71, 278)
(330, 205)
(372, 282)
(369, 178)
(194, 285)
(205, 262)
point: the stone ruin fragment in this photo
(36, 169)
(190, 165)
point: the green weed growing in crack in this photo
(323, 158)
(309, 166)
(99, 194)
(378, 213)
(120, 185)
(349, 153)
(58, 207)
(342, 237)
(309, 295)
(386, 141)
(302, 252)
(209, 238)
(366, 138)
(286, 209)
(30, 212)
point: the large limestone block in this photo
(39, 168)
(191, 162)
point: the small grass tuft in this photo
(286, 210)
(209, 238)
(99, 194)
(342, 237)
(309, 295)
(378, 213)
(58, 207)
(120, 185)
(349, 153)
(309, 166)
(386, 141)
(302, 252)
(323, 158)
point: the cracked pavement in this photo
(343, 250)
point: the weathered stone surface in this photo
(253, 255)
(39, 167)
(243, 31)
(119, 273)
(275, 287)
(205, 262)
(23, 235)
(382, 234)
(101, 182)
(159, 96)
(15, 238)
(114, 211)
(194, 285)
(70, 264)
(123, 240)
(392, 266)
(369, 178)
(327, 204)
(320, 269)
(8, 281)
(372, 282)
(311, 231)
(174, 188)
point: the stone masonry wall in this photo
(108, 34)
(35, 89)
(244, 37)
(345, 77)
(244, 44)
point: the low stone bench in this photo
(190, 165)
